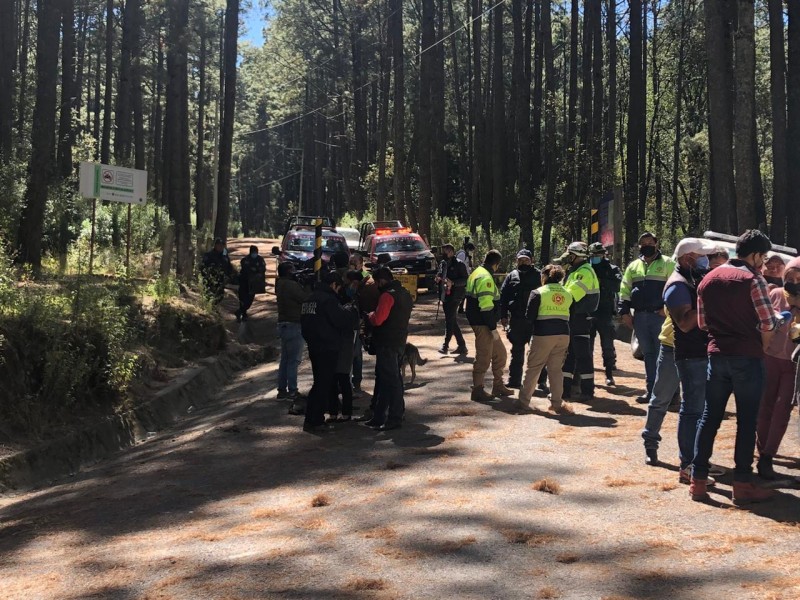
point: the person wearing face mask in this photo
(776, 401)
(684, 360)
(610, 277)
(584, 288)
(342, 383)
(514, 294)
(734, 307)
(251, 281)
(482, 303)
(773, 271)
(642, 293)
(324, 320)
(452, 280)
(389, 336)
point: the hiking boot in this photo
(283, 395)
(698, 490)
(765, 470)
(745, 492)
(564, 409)
(443, 349)
(651, 457)
(643, 399)
(461, 351)
(685, 477)
(499, 389)
(542, 390)
(297, 408)
(479, 394)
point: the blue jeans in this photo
(358, 362)
(664, 389)
(292, 343)
(647, 326)
(693, 373)
(744, 377)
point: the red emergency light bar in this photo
(391, 231)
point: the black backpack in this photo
(528, 281)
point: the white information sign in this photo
(117, 184)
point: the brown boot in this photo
(499, 389)
(698, 490)
(745, 492)
(479, 394)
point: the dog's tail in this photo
(420, 360)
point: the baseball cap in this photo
(579, 249)
(597, 248)
(525, 253)
(694, 246)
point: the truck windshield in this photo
(305, 243)
(405, 244)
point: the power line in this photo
(374, 79)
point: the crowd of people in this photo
(708, 326)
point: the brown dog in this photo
(412, 358)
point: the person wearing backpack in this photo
(514, 294)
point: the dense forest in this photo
(507, 115)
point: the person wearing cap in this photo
(389, 324)
(610, 277)
(452, 280)
(734, 307)
(683, 356)
(584, 288)
(482, 304)
(251, 281)
(548, 309)
(324, 321)
(776, 401)
(514, 294)
(773, 270)
(641, 293)
(216, 269)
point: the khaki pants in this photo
(546, 351)
(488, 352)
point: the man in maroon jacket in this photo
(733, 306)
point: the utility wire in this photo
(374, 79)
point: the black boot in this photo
(443, 349)
(765, 470)
(651, 458)
(610, 376)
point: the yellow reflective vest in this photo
(482, 295)
(584, 287)
(555, 302)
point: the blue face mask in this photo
(253, 254)
(350, 292)
(701, 263)
(596, 260)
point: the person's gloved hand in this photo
(495, 335)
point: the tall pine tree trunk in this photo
(105, 142)
(793, 138)
(201, 199)
(635, 118)
(549, 130)
(425, 116)
(611, 121)
(8, 59)
(744, 124)
(69, 92)
(399, 124)
(499, 209)
(228, 109)
(522, 98)
(42, 138)
(777, 67)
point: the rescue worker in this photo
(482, 303)
(389, 324)
(452, 280)
(642, 292)
(584, 288)
(216, 269)
(324, 321)
(610, 278)
(514, 295)
(251, 281)
(548, 310)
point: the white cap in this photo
(694, 246)
(783, 257)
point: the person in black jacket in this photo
(514, 294)
(452, 280)
(216, 269)
(389, 335)
(324, 321)
(251, 281)
(610, 278)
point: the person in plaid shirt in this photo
(734, 307)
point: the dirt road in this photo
(237, 502)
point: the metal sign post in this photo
(115, 184)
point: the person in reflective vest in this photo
(548, 311)
(482, 303)
(583, 286)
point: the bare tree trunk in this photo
(499, 215)
(744, 124)
(777, 64)
(42, 138)
(549, 129)
(137, 109)
(202, 201)
(635, 117)
(8, 60)
(611, 121)
(676, 147)
(23, 70)
(477, 213)
(385, 89)
(522, 123)
(463, 147)
(584, 155)
(438, 158)
(571, 158)
(122, 120)
(105, 142)
(228, 110)
(66, 129)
